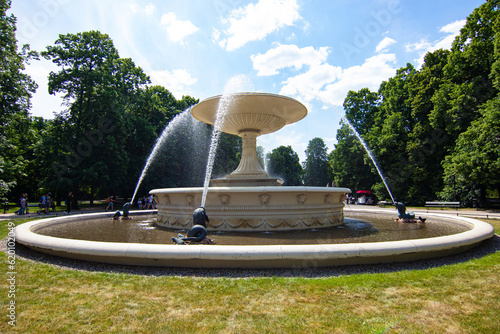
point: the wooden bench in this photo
(442, 204)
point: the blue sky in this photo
(312, 50)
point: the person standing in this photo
(22, 204)
(48, 202)
(26, 203)
(41, 204)
(69, 199)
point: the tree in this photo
(360, 108)
(468, 72)
(426, 145)
(146, 119)
(349, 162)
(16, 89)
(99, 87)
(474, 166)
(284, 162)
(316, 168)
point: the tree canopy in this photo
(16, 89)
(316, 168)
(423, 125)
(283, 162)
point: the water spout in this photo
(371, 156)
(180, 118)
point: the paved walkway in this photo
(10, 215)
(472, 213)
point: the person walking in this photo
(41, 204)
(110, 201)
(69, 199)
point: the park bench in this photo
(442, 204)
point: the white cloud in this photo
(370, 75)
(134, 8)
(453, 27)
(215, 35)
(424, 46)
(285, 56)
(384, 44)
(321, 80)
(178, 81)
(307, 85)
(330, 84)
(177, 29)
(148, 9)
(256, 21)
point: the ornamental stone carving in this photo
(264, 199)
(328, 199)
(301, 199)
(190, 200)
(224, 199)
(165, 199)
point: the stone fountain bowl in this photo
(261, 112)
(248, 256)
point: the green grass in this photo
(458, 298)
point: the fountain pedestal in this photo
(249, 171)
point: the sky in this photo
(314, 51)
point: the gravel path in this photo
(489, 246)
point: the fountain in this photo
(250, 201)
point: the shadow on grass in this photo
(489, 246)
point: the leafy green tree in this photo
(392, 126)
(349, 162)
(284, 162)
(16, 89)
(474, 165)
(98, 86)
(316, 168)
(426, 145)
(361, 108)
(146, 119)
(468, 72)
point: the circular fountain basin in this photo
(245, 209)
(249, 256)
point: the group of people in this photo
(146, 203)
(45, 203)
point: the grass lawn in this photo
(457, 298)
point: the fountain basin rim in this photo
(259, 256)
